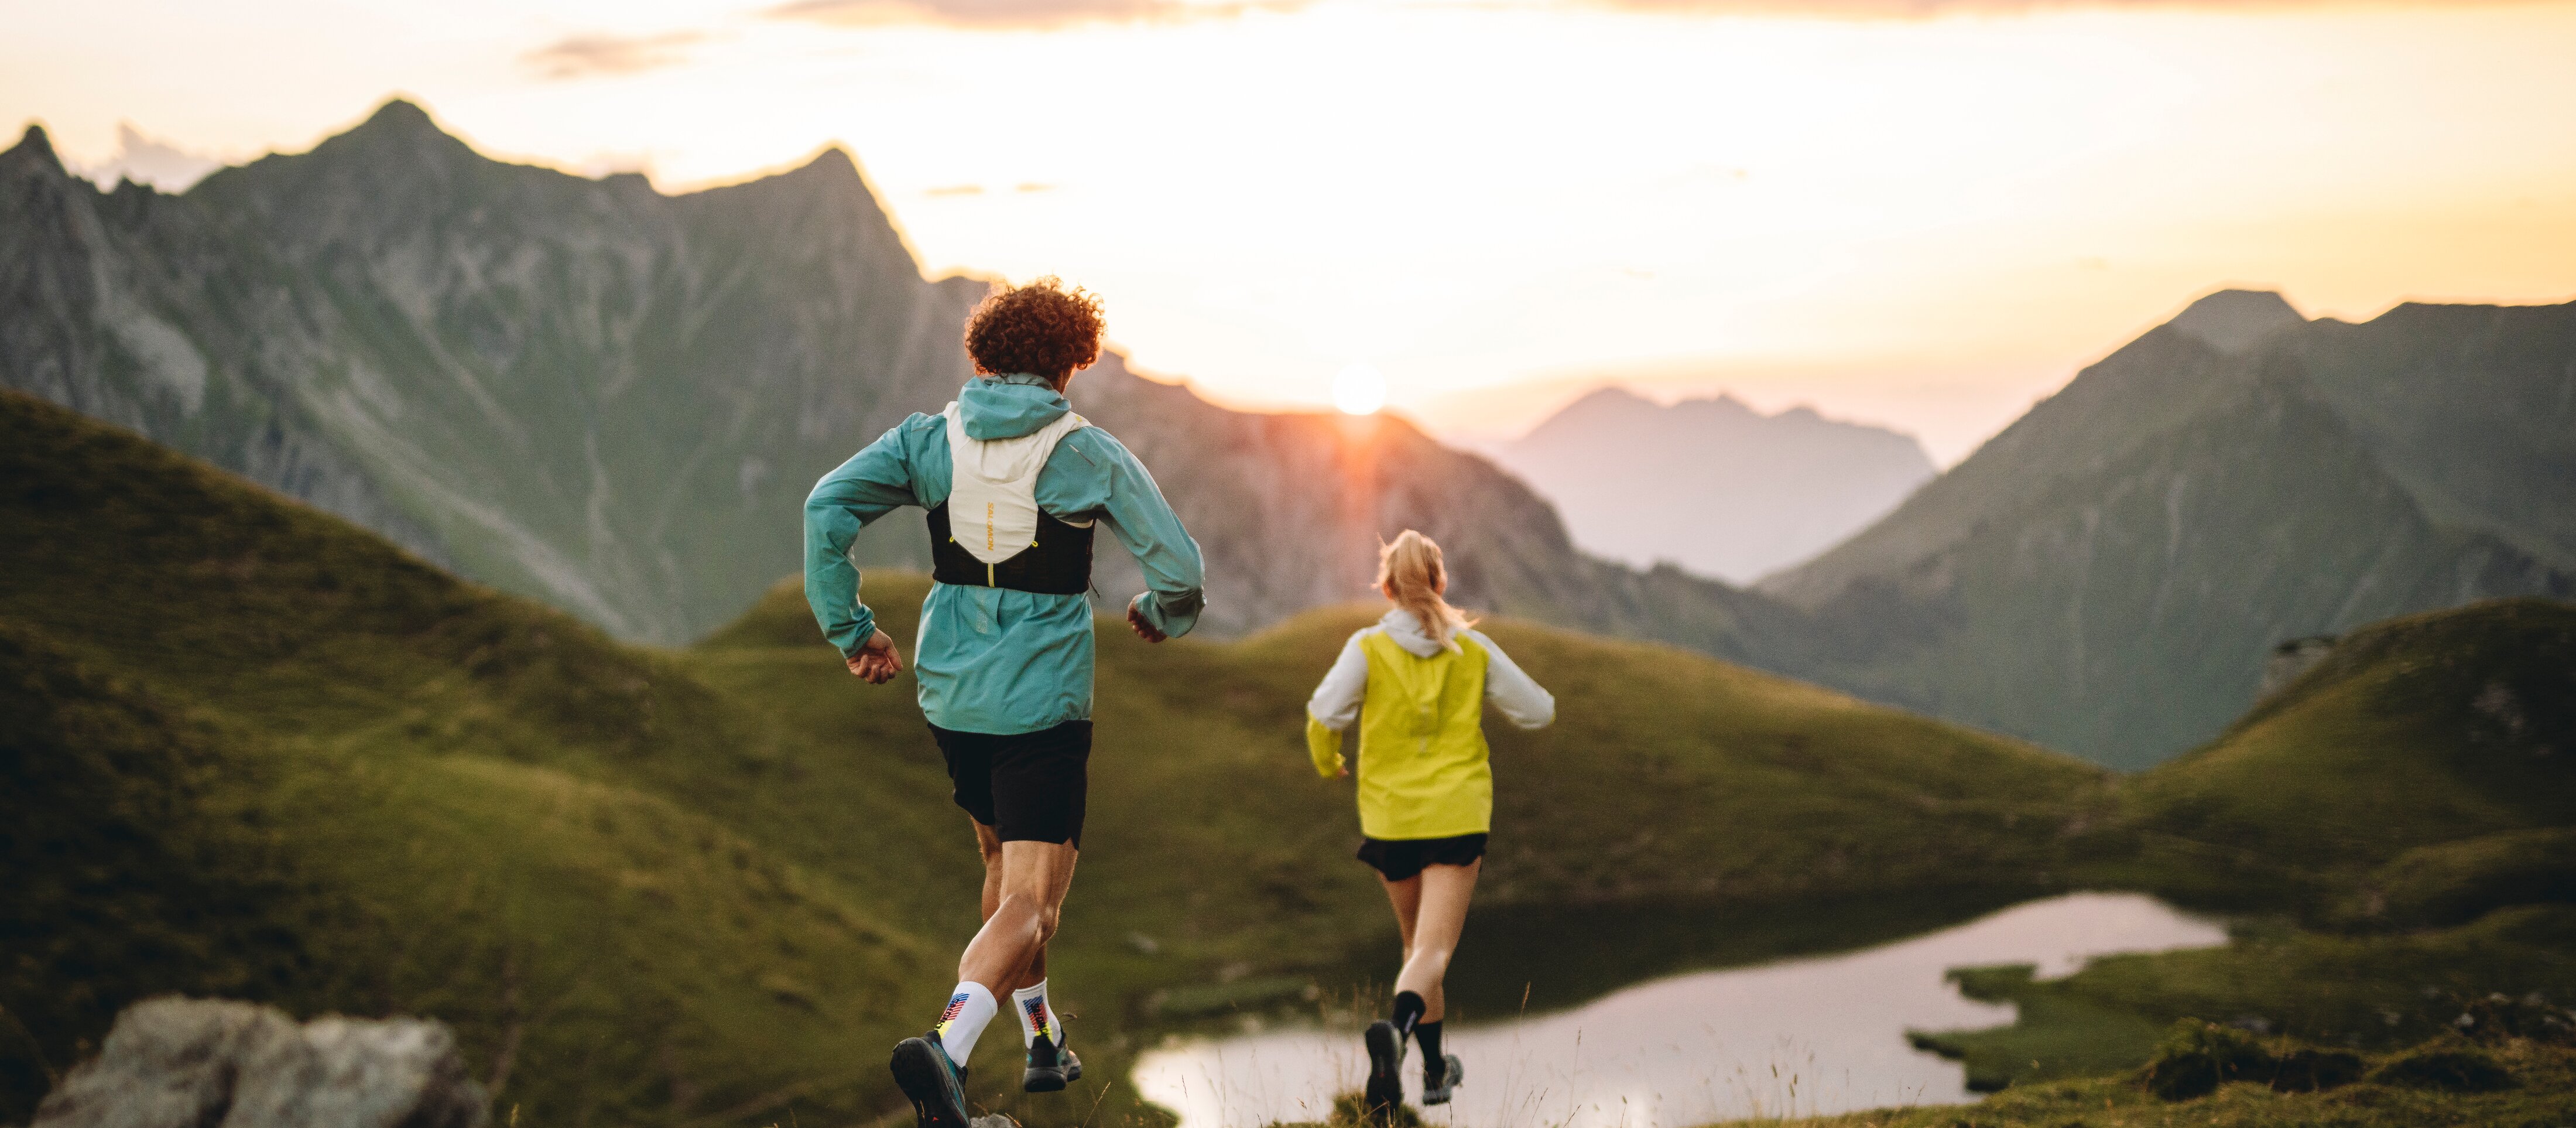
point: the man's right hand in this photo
(1144, 627)
(877, 661)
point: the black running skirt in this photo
(1401, 859)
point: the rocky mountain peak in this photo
(833, 163)
(399, 117)
(2232, 320)
(34, 146)
(400, 134)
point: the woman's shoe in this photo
(934, 1085)
(1436, 1086)
(1386, 1053)
(1051, 1067)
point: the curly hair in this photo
(1041, 329)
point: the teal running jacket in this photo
(994, 660)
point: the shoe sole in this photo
(936, 1101)
(1386, 1052)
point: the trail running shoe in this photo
(1436, 1086)
(1386, 1052)
(1051, 1067)
(935, 1085)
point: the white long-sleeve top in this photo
(1337, 699)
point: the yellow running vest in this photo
(1424, 770)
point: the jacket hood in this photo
(1007, 407)
(1407, 632)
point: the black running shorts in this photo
(1028, 785)
(1403, 858)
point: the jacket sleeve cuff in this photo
(853, 635)
(1173, 617)
(1325, 745)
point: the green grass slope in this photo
(2415, 737)
(2398, 829)
(265, 754)
(441, 800)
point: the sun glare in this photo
(1359, 390)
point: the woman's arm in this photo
(1335, 706)
(1520, 699)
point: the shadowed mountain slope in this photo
(2106, 575)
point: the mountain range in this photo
(2106, 574)
(1711, 484)
(613, 400)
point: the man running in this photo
(1014, 483)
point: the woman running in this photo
(1417, 683)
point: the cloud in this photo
(584, 56)
(1004, 13)
(144, 160)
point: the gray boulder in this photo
(202, 1063)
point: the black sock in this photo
(1427, 1035)
(1408, 1010)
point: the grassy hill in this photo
(2397, 829)
(256, 751)
(2415, 737)
(448, 801)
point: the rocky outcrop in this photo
(2291, 659)
(201, 1063)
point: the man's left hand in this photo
(877, 661)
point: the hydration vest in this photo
(990, 532)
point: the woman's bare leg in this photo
(1431, 935)
(1406, 897)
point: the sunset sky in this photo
(1913, 212)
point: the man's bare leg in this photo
(1035, 876)
(989, 842)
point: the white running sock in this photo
(1036, 1017)
(970, 1008)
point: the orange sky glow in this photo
(1925, 220)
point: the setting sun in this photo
(1359, 390)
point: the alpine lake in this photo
(1802, 1036)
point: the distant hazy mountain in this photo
(613, 400)
(1711, 484)
(2106, 575)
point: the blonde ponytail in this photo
(1410, 572)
